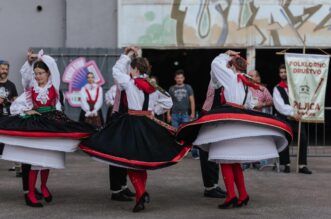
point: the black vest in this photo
(285, 98)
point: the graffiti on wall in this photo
(226, 23)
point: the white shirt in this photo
(234, 90)
(92, 89)
(281, 107)
(158, 102)
(110, 96)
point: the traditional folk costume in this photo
(136, 140)
(285, 110)
(232, 134)
(40, 140)
(91, 102)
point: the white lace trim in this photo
(42, 92)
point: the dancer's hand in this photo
(32, 112)
(232, 53)
(297, 117)
(31, 57)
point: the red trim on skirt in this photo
(239, 117)
(134, 162)
(75, 135)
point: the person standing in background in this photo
(91, 101)
(285, 110)
(8, 94)
(183, 101)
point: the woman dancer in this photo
(230, 131)
(91, 101)
(39, 134)
(136, 140)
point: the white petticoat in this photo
(39, 152)
(240, 142)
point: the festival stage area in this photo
(82, 191)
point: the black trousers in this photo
(284, 156)
(2, 145)
(210, 170)
(117, 178)
(25, 176)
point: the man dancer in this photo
(286, 111)
(210, 170)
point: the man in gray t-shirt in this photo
(183, 100)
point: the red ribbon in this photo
(143, 85)
(245, 80)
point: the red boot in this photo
(46, 194)
(231, 199)
(31, 197)
(138, 179)
(240, 183)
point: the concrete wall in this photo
(91, 24)
(22, 26)
(60, 23)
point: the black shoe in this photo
(11, 169)
(38, 194)
(120, 197)
(28, 202)
(49, 198)
(230, 204)
(128, 192)
(220, 190)
(305, 170)
(243, 202)
(140, 205)
(214, 193)
(287, 169)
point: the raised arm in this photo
(27, 75)
(221, 75)
(120, 71)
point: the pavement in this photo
(82, 191)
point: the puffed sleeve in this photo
(162, 104)
(21, 105)
(110, 96)
(279, 104)
(120, 72)
(221, 75)
(27, 75)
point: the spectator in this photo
(183, 101)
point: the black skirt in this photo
(52, 124)
(135, 142)
(188, 132)
(97, 122)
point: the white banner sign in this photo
(307, 76)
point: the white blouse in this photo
(234, 90)
(24, 101)
(92, 89)
(158, 102)
(281, 107)
(110, 96)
